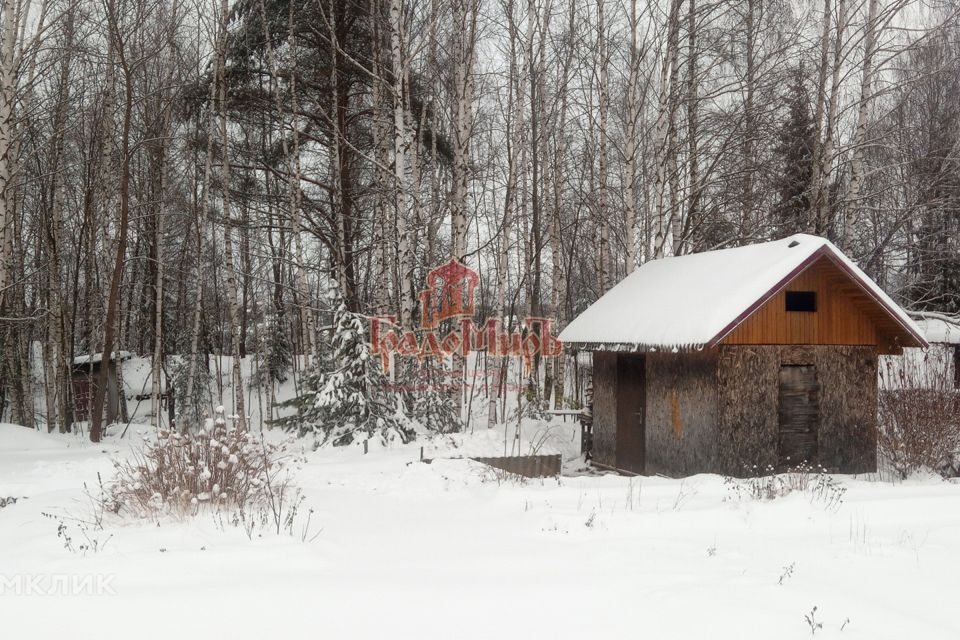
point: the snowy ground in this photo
(400, 549)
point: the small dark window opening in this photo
(801, 300)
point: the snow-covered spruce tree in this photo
(434, 405)
(274, 357)
(348, 397)
(794, 149)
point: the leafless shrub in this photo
(811, 480)
(540, 438)
(221, 466)
(93, 537)
(787, 572)
(919, 417)
(811, 620)
(501, 477)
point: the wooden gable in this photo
(845, 315)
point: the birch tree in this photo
(401, 144)
(853, 199)
(465, 31)
(234, 309)
(7, 69)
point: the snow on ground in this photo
(535, 437)
(397, 548)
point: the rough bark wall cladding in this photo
(848, 408)
(748, 379)
(749, 402)
(682, 413)
(605, 408)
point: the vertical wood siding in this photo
(844, 315)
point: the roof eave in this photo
(762, 300)
(920, 340)
(628, 347)
(828, 252)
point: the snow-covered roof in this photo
(696, 300)
(939, 330)
(97, 358)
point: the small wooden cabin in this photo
(85, 377)
(739, 360)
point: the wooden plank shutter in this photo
(799, 415)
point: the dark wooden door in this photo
(799, 414)
(631, 403)
(82, 397)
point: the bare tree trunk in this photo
(201, 222)
(465, 26)
(860, 136)
(630, 145)
(228, 263)
(7, 68)
(56, 352)
(825, 158)
(9, 383)
(558, 273)
(400, 149)
(337, 164)
(673, 169)
(662, 142)
(515, 137)
(749, 124)
(380, 259)
(157, 369)
(165, 105)
(817, 153)
(693, 121)
(605, 260)
(113, 300)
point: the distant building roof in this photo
(939, 330)
(696, 300)
(97, 358)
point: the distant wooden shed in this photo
(739, 360)
(937, 367)
(84, 380)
